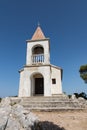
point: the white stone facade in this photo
(43, 43)
(39, 77)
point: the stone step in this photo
(45, 99)
(54, 109)
(49, 103)
(52, 104)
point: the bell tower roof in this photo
(38, 34)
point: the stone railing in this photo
(39, 58)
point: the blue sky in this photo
(63, 21)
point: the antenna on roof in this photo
(38, 24)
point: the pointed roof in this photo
(38, 35)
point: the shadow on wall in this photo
(45, 125)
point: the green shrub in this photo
(12, 104)
(69, 96)
(82, 94)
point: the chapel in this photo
(39, 77)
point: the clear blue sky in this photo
(63, 21)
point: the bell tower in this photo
(38, 49)
(38, 77)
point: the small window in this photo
(53, 81)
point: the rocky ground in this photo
(69, 120)
(13, 116)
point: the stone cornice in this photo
(37, 40)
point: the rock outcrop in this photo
(15, 117)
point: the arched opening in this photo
(37, 84)
(38, 50)
(38, 54)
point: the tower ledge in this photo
(37, 40)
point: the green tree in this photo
(83, 72)
(82, 94)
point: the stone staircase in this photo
(55, 103)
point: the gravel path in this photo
(70, 120)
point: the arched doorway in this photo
(37, 82)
